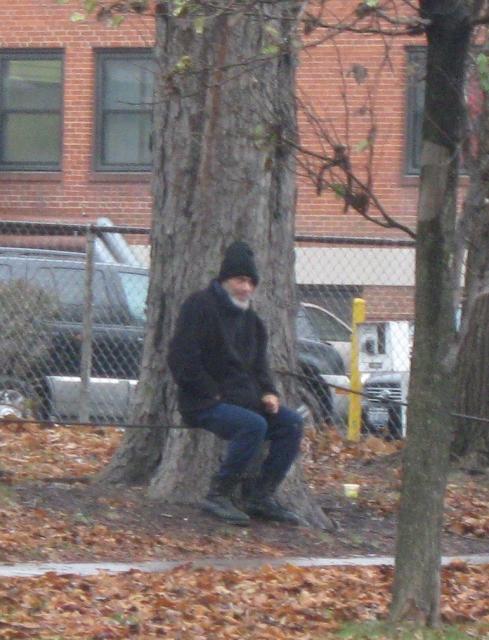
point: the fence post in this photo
(355, 405)
(86, 346)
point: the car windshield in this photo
(326, 326)
(135, 287)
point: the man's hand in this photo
(271, 403)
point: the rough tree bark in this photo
(471, 439)
(225, 96)
(416, 590)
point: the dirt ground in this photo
(49, 514)
(51, 511)
(362, 530)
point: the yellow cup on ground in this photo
(351, 490)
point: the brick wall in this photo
(346, 109)
(392, 303)
(78, 193)
(75, 193)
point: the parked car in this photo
(329, 328)
(312, 344)
(52, 387)
(385, 360)
(384, 404)
(119, 296)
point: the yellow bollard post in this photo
(355, 408)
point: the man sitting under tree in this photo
(218, 357)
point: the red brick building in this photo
(60, 116)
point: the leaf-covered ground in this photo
(204, 604)
(50, 511)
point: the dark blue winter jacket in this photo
(219, 353)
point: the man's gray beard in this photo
(241, 304)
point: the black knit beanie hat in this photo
(238, 261)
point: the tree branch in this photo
(356, 193)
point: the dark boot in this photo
(219, 503)
(262, 504)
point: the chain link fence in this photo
(72, 319)
(331, 272)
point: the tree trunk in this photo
(220, 174)
(472, 438)
(416, 590)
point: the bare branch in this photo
(358, 196)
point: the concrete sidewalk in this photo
(30, 569)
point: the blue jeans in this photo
(246, 431)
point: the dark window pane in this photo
(416, 72)
(418, 108)
(124, 107)
(67, 286)
(70, 283)
(127, 139)
(128, 85)
(32, 84)
(30, 110)
(31, 138)
(415, 106)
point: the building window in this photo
(31, 99)
(474, 97)
(416, 68)
(124, 110)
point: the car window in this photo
(135, 286)
(305, 329)
(68, 287)
(327, 327)
(332, 361)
